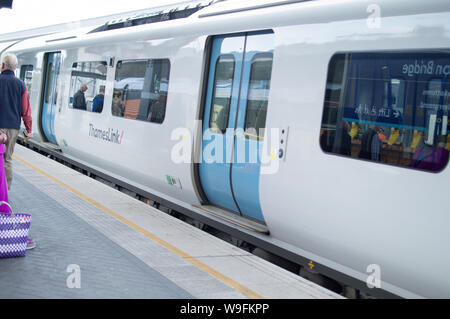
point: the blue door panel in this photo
(245, 174)
(231, 180)
(53, 99)
(215, 170)
(49, 100)
(46, 125)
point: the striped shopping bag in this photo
(13, 233)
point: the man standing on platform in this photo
(14, 106)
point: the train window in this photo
(223, 84)
(140, 89)
(26, 74)
(258, 96)
(87, 86)
(390, 108)
(49, 86)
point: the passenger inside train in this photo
(97, 105)
(93, 76)
(117, 107)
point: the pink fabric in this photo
(3, 188)
(26, 111)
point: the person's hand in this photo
(26, 134)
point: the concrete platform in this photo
(122, 248)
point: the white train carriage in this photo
(325, 122)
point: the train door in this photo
(53, 63)
(234, 121)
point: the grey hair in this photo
(10, 61)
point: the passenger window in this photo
(140, 89)
(223, 85)
(258, 96)
(389, 108)
(26, 74)
(87, 86)
(49, 85)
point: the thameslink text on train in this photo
(109, 135)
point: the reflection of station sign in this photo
(401, 90)
(380, 112)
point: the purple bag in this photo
(13, 233)
(430, 158)
(3, 186)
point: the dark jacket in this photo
(79, 101)
(14, 102)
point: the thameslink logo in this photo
(109, 135)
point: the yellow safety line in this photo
(153, 237)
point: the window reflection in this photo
(26, 74)
(258, 96)
(49, 83)
(87, 86)
(223, 84)
(388, 107)
(140, 89)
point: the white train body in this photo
(347, 214)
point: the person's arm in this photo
(26, 112)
